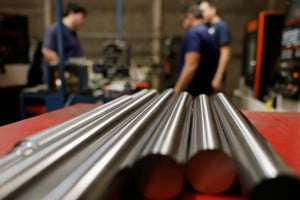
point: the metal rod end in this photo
(159, 177)
(210, 172)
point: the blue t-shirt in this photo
(72, 47)
(197, 39)
(221, 32)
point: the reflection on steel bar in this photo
(17, 175)
(55, 133)
(44, 183)
(43, 138)
(209, 169)
(159, 172)
(102, 165)
(99, 147)
(262, 172)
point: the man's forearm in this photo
(185, 78)
(50, 55)
(225, 55)
(192, 60)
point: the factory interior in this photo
(109, 123)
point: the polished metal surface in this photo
(163, 156)
(17, 175)
(43, 138)
(57, 132)
(262, 172)
(209, 168)
(205, 133)
(171, 140)
(157, 125)
(102, 165)
(148, 136)
(218, 122)
(54, 133)
(62, 173)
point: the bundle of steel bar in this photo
(158, 141)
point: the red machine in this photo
(261, 49)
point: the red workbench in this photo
(282, 130)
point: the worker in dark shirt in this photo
(221, 32)
(198, 59)
(73, 18)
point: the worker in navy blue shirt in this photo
(221, 32)
(198, 59)
(73, 19)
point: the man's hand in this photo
(217, 84)
(225, 54)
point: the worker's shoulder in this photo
(221, 24)
(201, 28)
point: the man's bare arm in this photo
(50, 55)
(190, 67)
(225, 55)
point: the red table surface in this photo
(282, 130)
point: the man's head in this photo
(209, 10)
(192, 15)
(75, 14)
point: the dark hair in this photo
(75, 8)
(195, 11)
(210, 2)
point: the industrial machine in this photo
(14, 39)
(261, 49)
(287, 72)
(271, 62)
(14, 57)
(115, 60)
(43, 98)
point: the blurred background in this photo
(133, 44)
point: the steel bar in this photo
(92, 179)
(48, 136)
(209, 169)
(263, 173)
(46, 182)
(57, 132)
(19, 174)
(159, 173)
